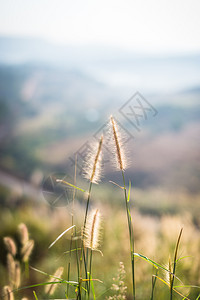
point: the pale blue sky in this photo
(156, 26)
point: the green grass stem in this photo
(131, 235)
(153, 285)
(174, 264)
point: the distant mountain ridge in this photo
(45, 117)
(112, 66)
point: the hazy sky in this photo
(140, 25)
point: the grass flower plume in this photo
(118, 287)
(92, 168)
(118, 144)
(23, 233)
(10, 245)
(7, 293)
(27, 250)
(50, 288)
(91, 237)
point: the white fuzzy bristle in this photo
(91, 237)
(118, 145)
(92, 167)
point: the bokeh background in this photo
(65, 67)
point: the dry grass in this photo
(154, 236)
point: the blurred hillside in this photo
(52, 100)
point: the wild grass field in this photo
(45, 118)
(155, 237)
(145, 245)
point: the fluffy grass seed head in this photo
(10, 245)
(11, 269)
(92, 167)
(23, 233)
(14, 272)
(7, 293)
(50, 288)
(167, 275)
(17, 275)
(92, 234)
(118, 148)
(118, 287)
(27, 250)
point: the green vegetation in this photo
(38, 135)
(74, 267)
(42, 111)
(155, 237)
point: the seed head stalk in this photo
(93, 173)
(153, 284)
(121, 164)
(72, 235)
(131, 235)
(174, 264)
(84, 257)
(90, 274)
(92, 239)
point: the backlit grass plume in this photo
(11, 269)
(91, 237)
(10, 245)
(14, 271)
(119, 149)
(23, 233)
(92, 168)
(27, 250)
(17, 274)
(50, 288)
(118, 287)
(7, 293)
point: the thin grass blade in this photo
(34, 293)
(156, 265)
(72, 283)
(129, 191)
(175, 260)
(121, 187)
(173, 287)
(70, 184)
(92, 288)
(153, 284)
(61, 236)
